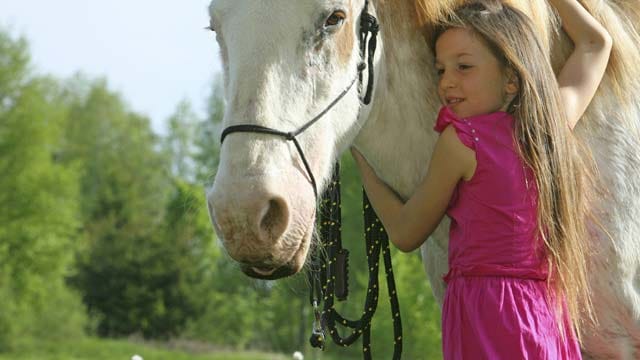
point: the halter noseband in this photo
(368, 25)
(289, 136)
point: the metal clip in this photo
(317, 339)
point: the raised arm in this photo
(581, 74)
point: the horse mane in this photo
(621, 18)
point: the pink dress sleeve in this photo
(446, 117)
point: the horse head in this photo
(290, 73)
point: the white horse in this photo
(285, 61)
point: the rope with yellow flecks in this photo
(328, 275)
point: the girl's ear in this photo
(512, 84)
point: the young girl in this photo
(507, 171)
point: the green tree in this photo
(124, 187)
(153, 285)
(190, 253)
(289, 318)
(123, 177)
(38, 205)
(14, 67)
(179, 143)
(234, 315)
(208, 131)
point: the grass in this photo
(100, 349)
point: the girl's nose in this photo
(447, 81)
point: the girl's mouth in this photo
(452, 101)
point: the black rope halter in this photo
(290, 136)
(332, 270)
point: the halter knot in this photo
(369, 23)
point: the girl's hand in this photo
(362, 163)
(356, 154)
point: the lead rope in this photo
(328, 275)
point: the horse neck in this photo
(397, 137)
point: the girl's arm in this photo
(581, 74)
(409, 224)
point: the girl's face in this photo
(471, 81)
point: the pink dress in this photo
(495, 305)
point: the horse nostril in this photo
(274, 220)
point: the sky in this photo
(155, 53)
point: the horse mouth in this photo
(271, 274)
(291, 267)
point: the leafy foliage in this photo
(38, 205)
(207, 135)
(148, 237)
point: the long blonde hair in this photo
(564, 169)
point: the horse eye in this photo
(335, 19)
(211, 26)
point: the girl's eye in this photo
(335, 19)
(439, 72)
(464, 67)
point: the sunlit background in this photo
(156, 53)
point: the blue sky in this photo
(155, 53)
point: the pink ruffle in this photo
(447, 117)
